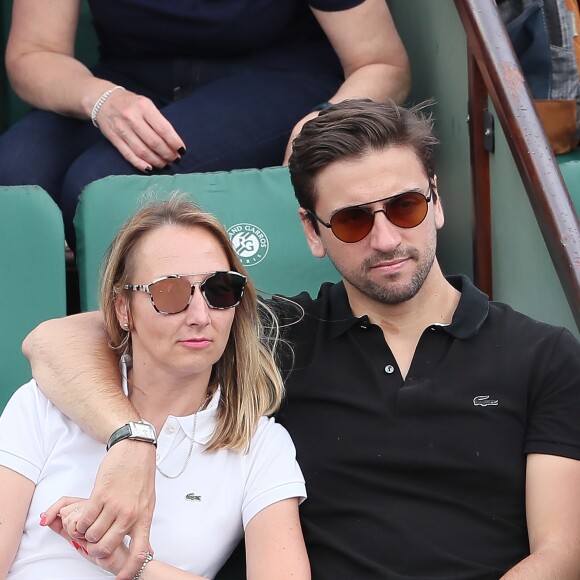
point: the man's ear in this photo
(437, 205)
(312, 236)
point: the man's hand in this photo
(295, 132)
(120, 505)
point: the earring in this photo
(126, 325)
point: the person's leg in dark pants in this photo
(39, 149)
(238, 121)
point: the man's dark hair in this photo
(352, 129)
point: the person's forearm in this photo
(156, 570)
(56, 82)
(378, 82)
(370, 50)
(563, 564)
(75, 368)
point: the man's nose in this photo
(385, 236)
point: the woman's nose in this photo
(198, 311)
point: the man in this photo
(439, 433)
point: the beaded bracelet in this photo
(148, 559)
(101, 102)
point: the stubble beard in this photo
(389, 291)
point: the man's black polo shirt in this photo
(424, 478)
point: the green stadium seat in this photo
(257, 207)
(32, 266)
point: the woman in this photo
(209, 86)
(175, 298)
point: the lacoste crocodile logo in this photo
(193, 497)
(484, 401)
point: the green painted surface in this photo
(570, 168)
(435, 41)
(523, 273)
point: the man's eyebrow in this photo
(410, 190)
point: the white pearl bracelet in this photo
(101, 102)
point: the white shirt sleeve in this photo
(22, 428)
(272, 473)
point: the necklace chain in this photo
(184, 466)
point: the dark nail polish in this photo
(181, 150)
(148, 170)
(177, 160)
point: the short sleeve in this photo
(272, 472)
(21, 432)
(554, 406)
(334, 5)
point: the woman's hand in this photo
(121, 504)
(41, 64)
(136, 127)
(65, 524)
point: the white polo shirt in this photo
(199, 517)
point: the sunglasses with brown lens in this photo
(354, 223)
(172, 294)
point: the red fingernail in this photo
(76, 545)
(85, 550)
(43, 519)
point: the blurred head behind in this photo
(251, 385)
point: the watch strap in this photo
(134, 430)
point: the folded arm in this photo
(75, 368)
(553, 515)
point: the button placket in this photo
(166, 439)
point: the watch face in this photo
(142, 430)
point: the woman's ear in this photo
(123, 312)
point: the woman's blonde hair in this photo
(251, 385)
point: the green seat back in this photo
(32, 267)
(257, 207)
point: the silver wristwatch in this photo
(139, 430)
